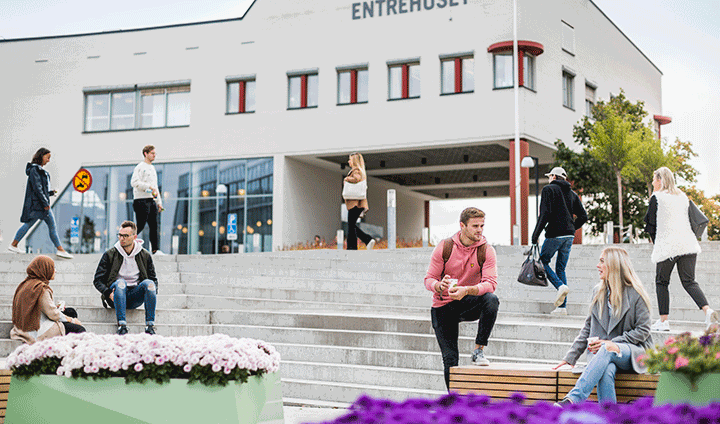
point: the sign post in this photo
(232, 229)
(74, 230)
(82, 181)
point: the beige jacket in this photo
(47, 329)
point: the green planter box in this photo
(674, 387)
(60, 400)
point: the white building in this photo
(272, 103)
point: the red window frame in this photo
(458, 73)
(405, 83)
(353, 84)
(303, 89)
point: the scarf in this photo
(26, 302)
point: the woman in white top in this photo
(356, 206)
(668, 223)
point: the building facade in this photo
(269, 105)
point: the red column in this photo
(524, 191)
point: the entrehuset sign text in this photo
(373, 8)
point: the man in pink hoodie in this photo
(463, 290)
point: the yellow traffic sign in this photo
(82, 180)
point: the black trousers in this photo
(686, 272)
(70, 327)
(445, 320)
(146, 211)
(353, 231)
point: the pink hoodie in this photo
(462, 265)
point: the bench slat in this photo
(506, 394)
(525, 388)
(504, 379)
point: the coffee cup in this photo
(592, 340)
(452, 282)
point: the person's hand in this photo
(75, 321)
(609, 346)
(458, 292)
(47, 208)
(562, 363)
(442, 285)
(155, 193)
(112, 296)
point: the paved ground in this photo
(306, 414)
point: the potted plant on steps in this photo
(689, 368)
(138, 378)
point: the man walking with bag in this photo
(561, 214)
(462, 277)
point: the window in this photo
(302, 90)
(241, 96)
(404, 81)
(504, 70)
(568, 86)
(568, 38)
(458, 74)
(589, 100)
(352, 86)
(152, 107)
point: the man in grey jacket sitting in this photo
(126, 278)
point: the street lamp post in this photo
(220, 190)
(529, 162)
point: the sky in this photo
(681, 37)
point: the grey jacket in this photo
(631, 326)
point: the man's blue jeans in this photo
(600, 372)
(131, 297)
(561, 246)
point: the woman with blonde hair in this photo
(35, 315)
(355, 195)
(668, 223)
(616, 332)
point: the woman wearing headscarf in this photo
(616, 332)
(35, 314)
(37, 203)
(357, 205)
(674, 243)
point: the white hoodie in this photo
(129, 270)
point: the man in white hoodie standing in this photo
(126, 278)
(147, 201)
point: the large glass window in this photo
(196, 212)
(458, 75)
(153, 107)
(404, 81)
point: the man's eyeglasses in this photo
(125, 235)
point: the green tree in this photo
(709, 206)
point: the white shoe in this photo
(63, 254)
(711, 317)
(660, 325)
(14, 249)
(561, 294)
(559, 311)
(159, 253)
(370, 245)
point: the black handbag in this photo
(698, 220)
(532, 272)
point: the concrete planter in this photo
(60, 400)
(675, 387)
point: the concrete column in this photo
(524, 191)
(392, 228)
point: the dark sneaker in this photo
(150, 329)
(122, 329)
(478, 358)
(563, 403)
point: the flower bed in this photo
(211, 360)
(688, 355)
(469, 409)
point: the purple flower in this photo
(705, 340)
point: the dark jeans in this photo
(70, 327)
(686, 272)
(562, 247)
(146, 211)
(445, 320)
(353, 231)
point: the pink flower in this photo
(681, 362)
(717, 355)
(673, 350)
(669, 341)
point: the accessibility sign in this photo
(74, 230)
(82, 180)
(232, 226)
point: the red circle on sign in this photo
(82, 180)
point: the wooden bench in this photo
(4, 390)
(539, 382)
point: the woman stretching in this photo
(616, 332)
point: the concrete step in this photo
(341, 392)
(83, 278)
(100, 314)
(75, 289)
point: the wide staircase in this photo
(352, 323)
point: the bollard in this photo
(392, 230)
(340, 239)
(425, 236)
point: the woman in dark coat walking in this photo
(37, 203)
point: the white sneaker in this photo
(14, 249)
(711, 317)
(660, 325)
(159, 253)
(561, 294)
(559, 311)
(370, 245)
(63, 254)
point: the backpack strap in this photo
(481, 257)
(447, 251)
